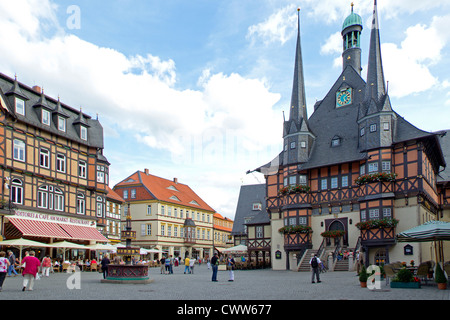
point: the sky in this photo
(197, 89)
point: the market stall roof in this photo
(67, 245)
(429, 231)
(236, 249)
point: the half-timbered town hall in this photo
(355, 173)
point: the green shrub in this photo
(439, 277)
(404, 275)
(363, 274)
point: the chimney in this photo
(37, 89)
(175, 180)
(146, 172)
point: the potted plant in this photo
(405, 279)
(363, 277)
(440, 278)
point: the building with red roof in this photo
(167, 215)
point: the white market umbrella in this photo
(23, 243)
(236, 249)
(66, 245)
(101, 247)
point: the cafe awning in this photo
(48, 229)
(83, 232)
(38, 228)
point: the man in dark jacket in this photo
(215, 266)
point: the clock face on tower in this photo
(343, 97)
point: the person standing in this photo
(12, 264)
(215, 266)
(162, 262)
(171, 265)
(191, 265)
(230, 266)
(30, 270)
(315, 262)
(4, 267)
(46, 265)
(186, 265)
(105, 262)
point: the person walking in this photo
(46, 265)
(186, 265)
(167, 265)
(171, 265)
(315, 262)
(4, 267)
(215, 266)
(105, 262)
(12, 264)
(191, 265)
(30, 270)
(230, 267)
(162, 262)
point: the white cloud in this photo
(407, 66)
(333, 44)
(223, 128)
(279, 27)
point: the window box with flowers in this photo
(378, 230)
(376, 177)
(377, 223)
(295, 229)
(333, 234)
(299, 188)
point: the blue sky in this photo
(196, 89)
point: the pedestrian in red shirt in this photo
(30, 270)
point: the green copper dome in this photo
(351, 20)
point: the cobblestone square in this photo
(260, 285)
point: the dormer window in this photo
(61, 124)
(83, 133)
(257, 206)
(45, 117)
(336, 141)
(20, 106)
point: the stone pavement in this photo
(248, 285)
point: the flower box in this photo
(405, 285)
(376, 177)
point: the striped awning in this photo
(429, 231)
(47, 229)
(38, 228)
(83, 232)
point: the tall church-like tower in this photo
(297, 136)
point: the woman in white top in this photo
(4, 264)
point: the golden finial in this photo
(352, 6)
(298, 9)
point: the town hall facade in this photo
(355, 173)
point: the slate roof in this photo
(9, 86)
(328, 122)
(444, 137)
(248, 195)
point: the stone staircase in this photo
(304, 265)
(341, 265)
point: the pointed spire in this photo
(298, 98)
(375, 87)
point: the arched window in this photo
(81, 203)
(59, 200)
(100, 207)
(50, 197)
(380, 257)
(16, 191)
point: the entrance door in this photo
(338, 225)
